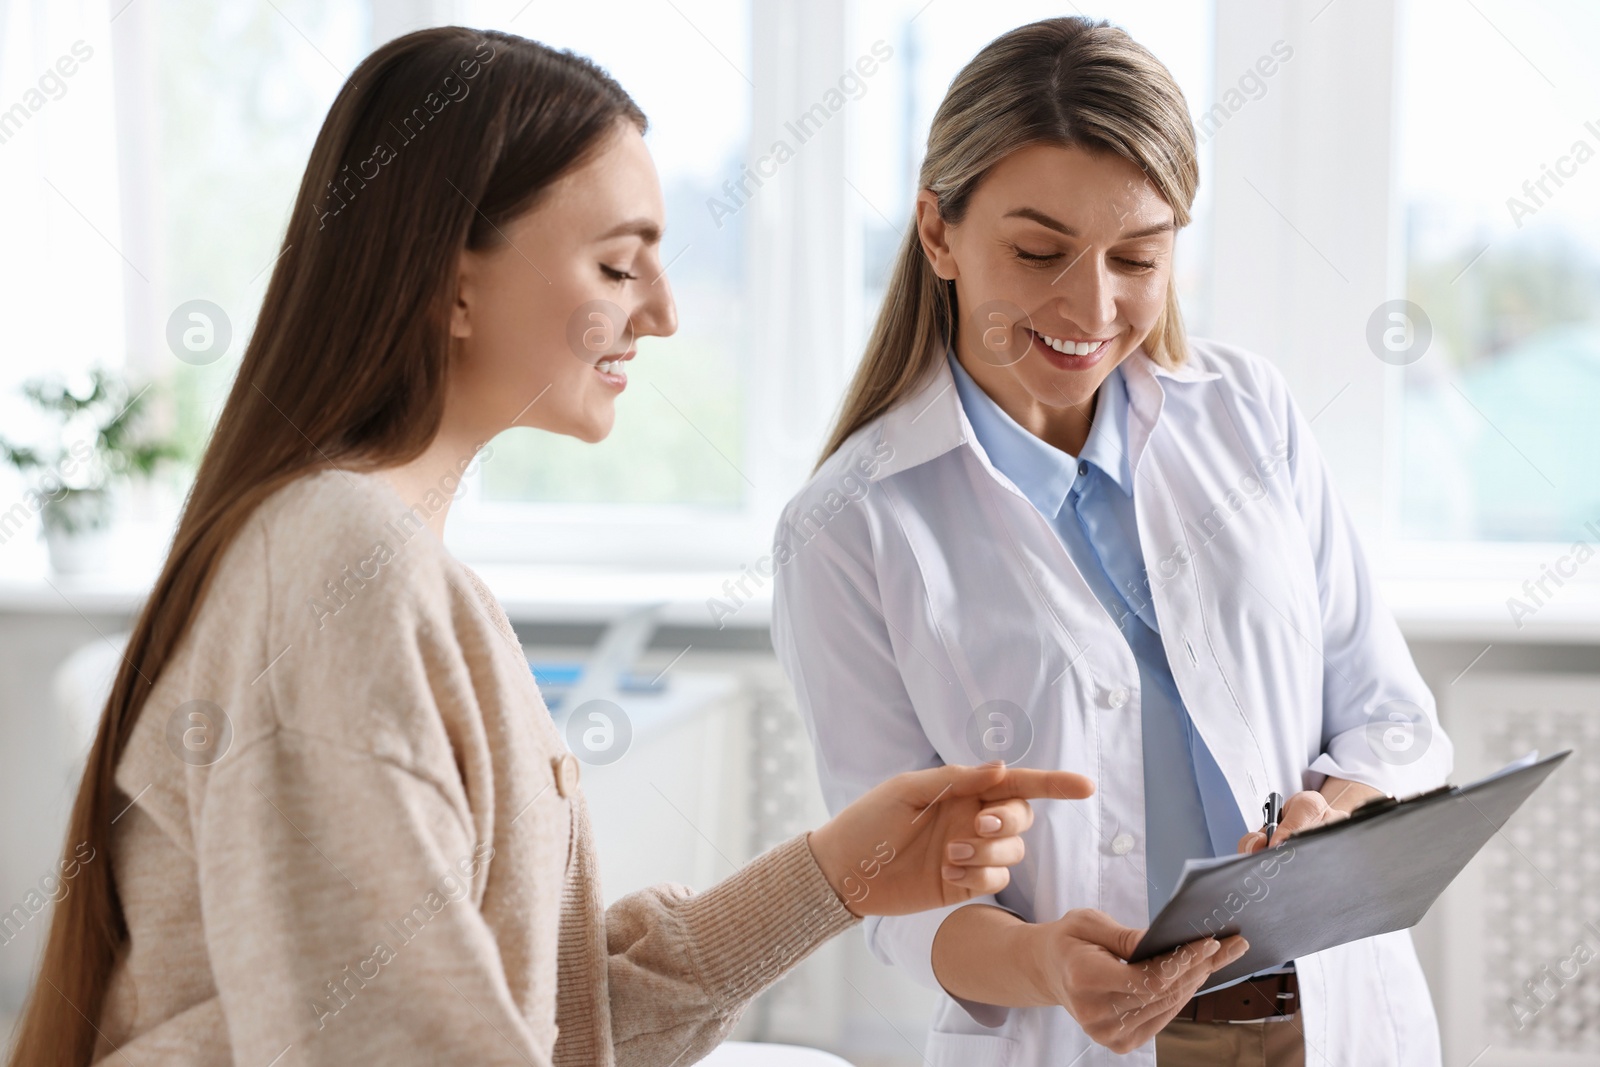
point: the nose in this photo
(657, 313)
(1087, 296)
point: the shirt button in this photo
(1083, 466)
(565, 769)
(1122, 844)
(1117, 697)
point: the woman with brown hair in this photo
(327, 819)
(1091, 542)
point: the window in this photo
(225, 164)
(1449, 154)
(1500, 179)
(60, 271)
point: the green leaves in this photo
(99, 432)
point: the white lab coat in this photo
(915, 583)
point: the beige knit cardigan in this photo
(351, 836)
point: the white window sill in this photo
(1474, 609)
(532, 594)
(1445, 594)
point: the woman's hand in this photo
(1337, 798)
(925, 839)
(1080, 962)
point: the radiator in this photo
(1520, 985)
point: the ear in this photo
(935, 235)
(466, 294)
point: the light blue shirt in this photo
(1189, 809)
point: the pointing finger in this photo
(926, 787)
(1031, 784)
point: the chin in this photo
(587, 418)
(593, 431)
(1058, 388)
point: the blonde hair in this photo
(1063, 81)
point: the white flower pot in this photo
(78, 553)
(77, 531)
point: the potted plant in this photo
(95, 441)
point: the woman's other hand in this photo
(925, 839)
(1080, 962)
(1337, 798)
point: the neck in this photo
(1063, 425)
(431, 480)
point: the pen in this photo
(1273, 809)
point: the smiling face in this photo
(1061, 266)
(545, 320)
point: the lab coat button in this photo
(1122, 844)
(1117, 697)
(565, 768)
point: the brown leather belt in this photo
(1267, 997)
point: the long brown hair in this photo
(435, 143)
(1063, 81)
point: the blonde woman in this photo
(1089, 542)
(334, 835)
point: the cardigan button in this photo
(565, 769)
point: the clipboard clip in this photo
(1375, 806)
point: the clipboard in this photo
(1377, 871)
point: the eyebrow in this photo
(643, 228)
(1035, 215)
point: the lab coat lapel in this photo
(924, 426)
(931, 423)
(1161, 506)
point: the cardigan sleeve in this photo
(683, 966)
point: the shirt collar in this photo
(1107, 446)
(930, 421)
(1044, 473)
